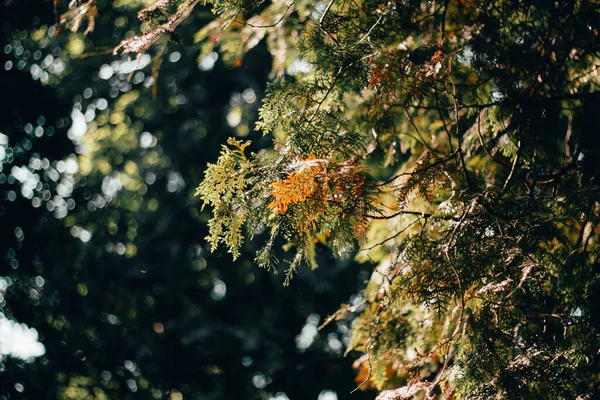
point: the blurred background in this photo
(107, 287)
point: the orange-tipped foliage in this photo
(298, 186)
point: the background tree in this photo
(102, 248)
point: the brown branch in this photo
(423, 214)
(393, 178)
(512, 171)
(421, 217)
(412, 122)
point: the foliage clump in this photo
(223, 189)
(302, 200)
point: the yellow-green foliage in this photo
(224, 189)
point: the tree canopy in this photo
(448, 146)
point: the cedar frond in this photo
(298, 186)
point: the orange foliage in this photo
(378, 75)
(338, 185)
(297, 187)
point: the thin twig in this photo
(370, 30)
(275, 23)
(396, 234)
(512, 171)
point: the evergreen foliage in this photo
(457, 143)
